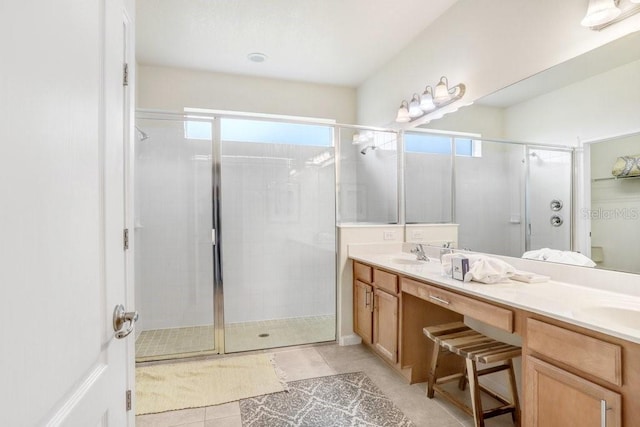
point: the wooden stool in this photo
(460, 339)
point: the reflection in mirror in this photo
(428, 178)
(368, 184)
(615, 204)
(593, 96)
(499, 193)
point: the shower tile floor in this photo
(279, 333)
(198, 340)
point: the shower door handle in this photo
(120, 317)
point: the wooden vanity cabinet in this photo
(363, 301)
(557, 398)
(557, 391)
(385, 325)
(572, 376)
(375, 309)
(363, 311)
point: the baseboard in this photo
(352, 339)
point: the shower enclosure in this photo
(234, 234)
(506, 197)
(235, 227)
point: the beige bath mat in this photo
(169, 387)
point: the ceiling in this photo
(339, 42)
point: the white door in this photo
(62, 263)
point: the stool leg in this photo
(462, 383)
(474, 388)
(514, 393)
(432, 378)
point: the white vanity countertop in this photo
(611, 313)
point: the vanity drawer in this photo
(386, 281)
(362, 272)
(587, 354)
(488, 313)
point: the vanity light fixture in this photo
(602, 13)
(430, 101)
(403, 113)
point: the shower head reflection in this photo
(367, 148)
(141, 134)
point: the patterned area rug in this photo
(338, 400)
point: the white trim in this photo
(352, 339)
(257, 115)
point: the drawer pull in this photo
(440, 300)
(603, 413)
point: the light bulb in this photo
(600, 12)
(441, 92)
(414, 107)
(403, 113)
(426, 100)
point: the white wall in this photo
(602, 106)
(278, 232)
(487, 45)
(479, 119)
(173, 89)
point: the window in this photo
(245, 130)
(441, 144)
(262, 131)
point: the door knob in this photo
(120, 317)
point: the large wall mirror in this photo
(549, 182)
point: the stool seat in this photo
(459, 339)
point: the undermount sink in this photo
(608, 315)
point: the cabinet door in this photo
(363, 310)
(385, 325)
(557, 398)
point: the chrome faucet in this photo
(419, 251)
(446, 249)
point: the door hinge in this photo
(128, 400)
(125, 74)
(125, 238)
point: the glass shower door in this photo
(277, 215)
(549, 199)
(173, 247)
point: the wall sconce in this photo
(602, 13)
(430, 100)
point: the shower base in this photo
(162, 344)
(279, 333)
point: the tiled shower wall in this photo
(278, 237)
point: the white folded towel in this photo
(561, 257)
(485, 269)
(482, 268)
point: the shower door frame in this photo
(527, 191)
(216, 191)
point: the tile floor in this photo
(162, 344)
(328, 359)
